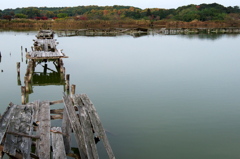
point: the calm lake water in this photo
(158, 96)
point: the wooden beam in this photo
(97, 125)
(57, 143)
(43, 145)
(76, 126)
(56, 111)
(54, 117)
(67, 130)
(24, 135)
(4, 122)
(19, 131)
(56, 102)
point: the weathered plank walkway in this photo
(26, 130)
(44, 47)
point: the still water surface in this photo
(158, 96)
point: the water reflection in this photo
(48, 76)
(208, 36)
(48, 58)
(140, 32)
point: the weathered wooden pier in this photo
(26, 130)
(43, 50)
(45, 47)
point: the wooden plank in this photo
(43, 145)
(97, 125)
(54, 117)
(56, 102)
(76, 126)
(4, 122)
(67, 130)
(87, 127)
(11, 140)
(57, 143)
(25, 145)
(19, 131)
(88, 133)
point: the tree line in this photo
(202, 12)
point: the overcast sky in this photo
(167, 4)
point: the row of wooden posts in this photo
(27, 89)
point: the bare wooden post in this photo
(26, 83)
(63, 74)
(23, 90)
(18, 68)
(30, 70)
(73, 89)
(45, 69)
(18, 73)
(67, 82)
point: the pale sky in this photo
(167, 4)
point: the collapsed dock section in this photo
(26, 130)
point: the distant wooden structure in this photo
(103, 32)
(26, 130)
(45, 34)
(44, 47)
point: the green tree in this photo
(20, 15)
(31, 12)
(62, 15)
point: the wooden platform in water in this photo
(45, 48)
(45, 34)
(26, 130)
(45, 55)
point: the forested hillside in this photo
(202, 12)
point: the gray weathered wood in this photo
(43, 145)
(4, 122)
(97, 125)
(88, 133)
(77, 128)
(20, 123)
(57, 144)
(67, 130)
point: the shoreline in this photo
(100, 24)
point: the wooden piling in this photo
(73, 87)
(67, 82)
(18, 68)
(18, 73)
(23, 90)
(26, 84)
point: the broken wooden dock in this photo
(26, 130)
(45, 34)
(44, 47)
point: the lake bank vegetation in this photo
(204, 15)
